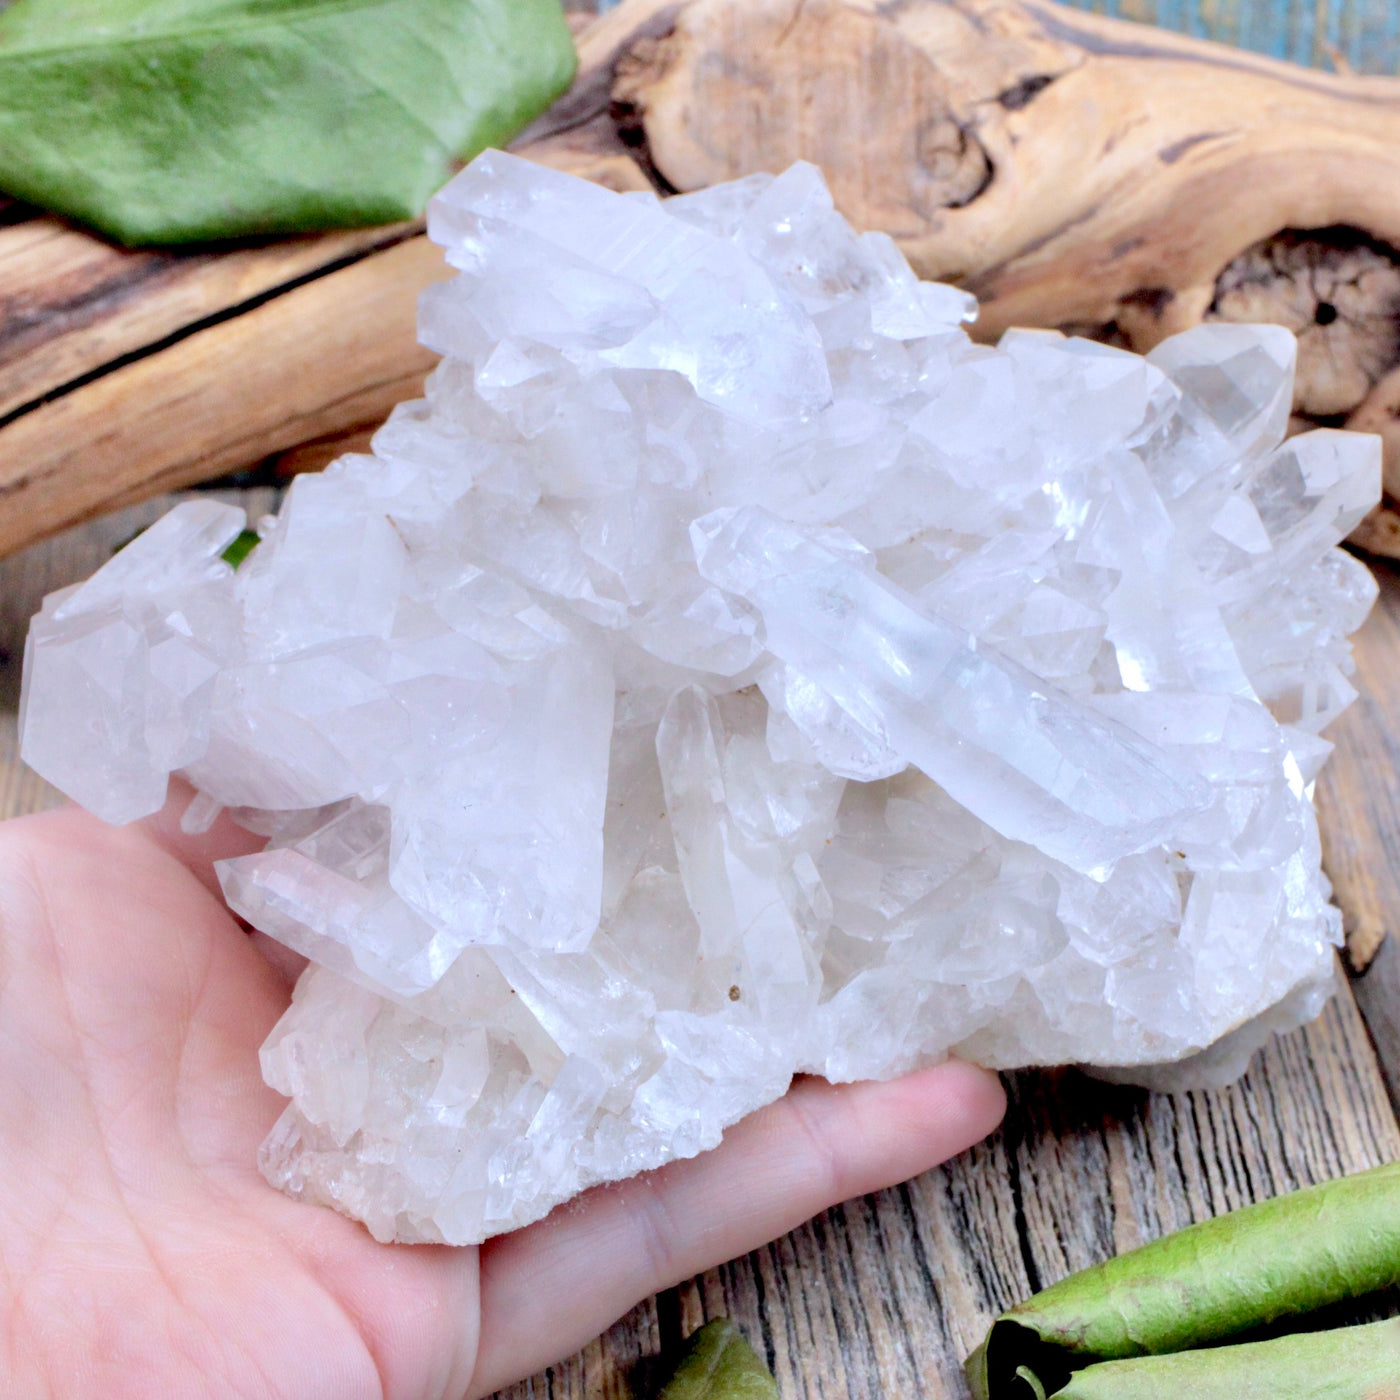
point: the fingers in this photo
(198, 852)
(548, 1289)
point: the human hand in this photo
(141, 1253)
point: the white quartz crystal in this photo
(729, 671)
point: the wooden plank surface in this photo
(884, 1296)
(1359, 802)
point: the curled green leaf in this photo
(1348, 1363)
(719, 1364)
(1279, 1258)
(244, 543)
(167, 121)
(1031, 1382)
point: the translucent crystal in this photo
(729, 671)
(1036, 765)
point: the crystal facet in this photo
(730, 670)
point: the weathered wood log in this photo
(1071, 170)
(126, 373)
(320, 357)
(71, 304)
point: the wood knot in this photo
(740, 88)
(955, 158)
(1024, 91)
(1338, 291)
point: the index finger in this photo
(546, 1289)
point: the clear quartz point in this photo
(1033, 763)
(727, 671)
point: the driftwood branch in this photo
(1072, 171)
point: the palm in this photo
(143, 1254)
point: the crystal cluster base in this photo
(728, 671)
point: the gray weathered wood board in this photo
(1359, 803)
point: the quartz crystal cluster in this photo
(730, 670)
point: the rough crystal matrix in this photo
(730, 670)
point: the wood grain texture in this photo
(885, 1295)
(334, 353)
(1056, 163)
(1358, 796)
(21, 789)
(72, 303)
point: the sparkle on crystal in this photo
(730, 670)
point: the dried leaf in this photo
(1278, 1258)
(1348, 1363)
(720, 1365)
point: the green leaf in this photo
(1348, 1363)
(720, 1365)
(244, 543)
(1278, 1258)
(167, 121)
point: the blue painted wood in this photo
(1364, 33)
